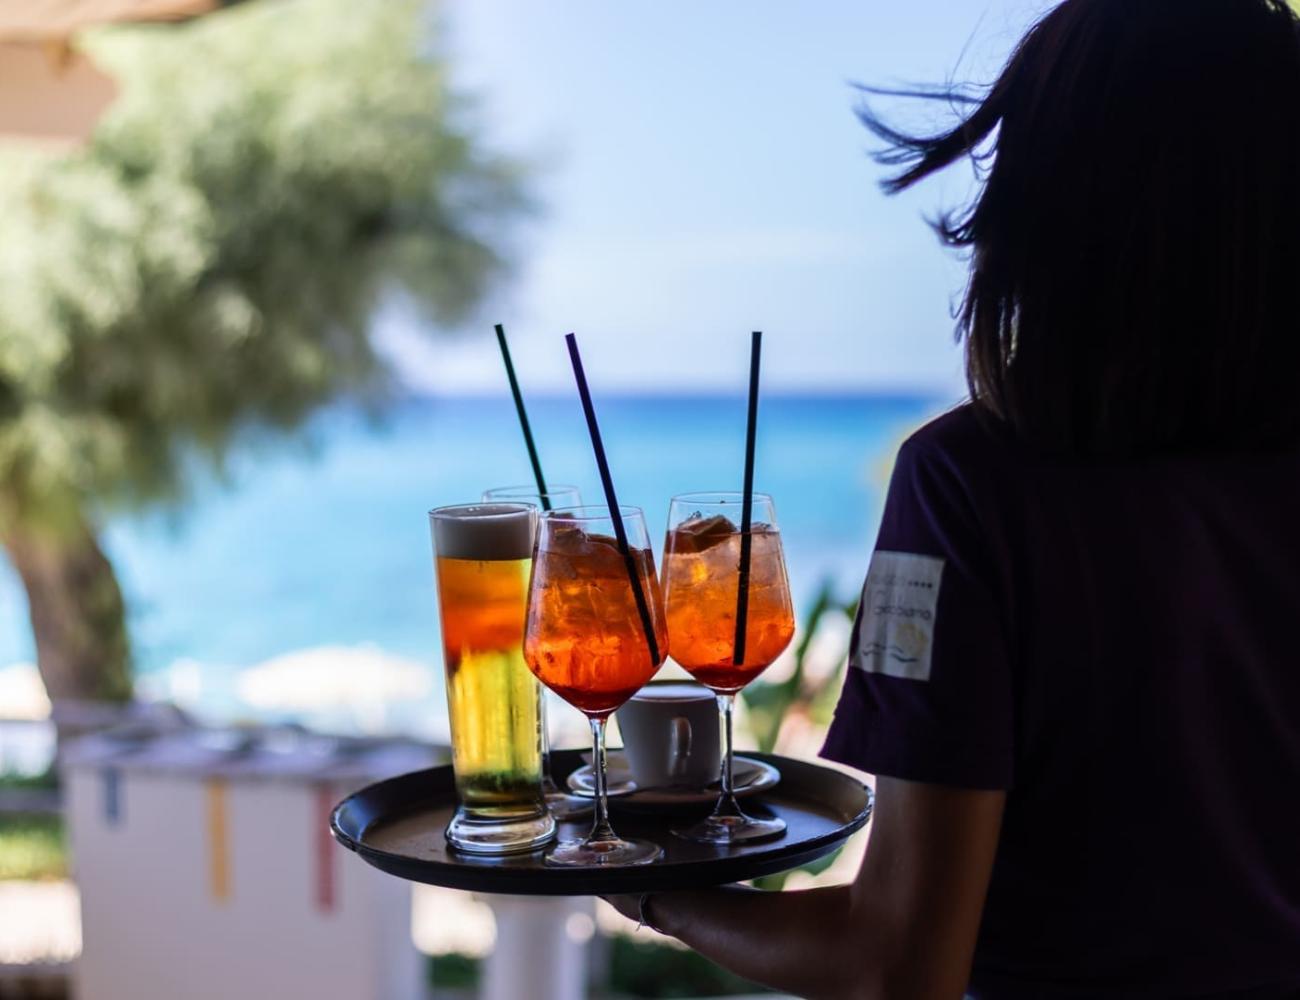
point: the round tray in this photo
(397, 825)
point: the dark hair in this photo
(1136, 242)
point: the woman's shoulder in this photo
(959, 463)
(961, 436)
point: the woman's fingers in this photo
(629, 906)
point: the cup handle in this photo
(679, 747)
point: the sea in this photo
(299, 582)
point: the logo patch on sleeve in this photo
(899, 603)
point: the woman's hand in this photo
(904, 930)
(629, 906)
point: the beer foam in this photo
(487, 531)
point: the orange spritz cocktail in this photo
(595, 634)
(585, 642)
(722, 561)
(701, 556)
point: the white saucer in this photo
(751, 777)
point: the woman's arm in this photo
(904, 930)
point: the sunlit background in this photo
(695, 174)
(689, 173)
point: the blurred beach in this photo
(300, 587)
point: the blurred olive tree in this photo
(208, 265)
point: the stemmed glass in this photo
(585, 640)
(562, 804)
(702, 594)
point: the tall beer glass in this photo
(483, 557)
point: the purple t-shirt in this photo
(1116, 645)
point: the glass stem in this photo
(727, 805)
(600, 829)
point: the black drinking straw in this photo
(620, 533)
(523, 418)
(747, 501)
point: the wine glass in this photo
(704, 595)
(586, 639)
(562, 804)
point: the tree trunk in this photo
(77, 613)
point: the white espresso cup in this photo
(671, 735)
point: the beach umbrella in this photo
(50, 92)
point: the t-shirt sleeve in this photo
(928, 691)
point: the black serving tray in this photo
(397, 825)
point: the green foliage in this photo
(47, 780)
(648, 969)
(636, 969)
(453, 971)
(209, 262)
(32, 847)
(767, 703)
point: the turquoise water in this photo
(328, 545)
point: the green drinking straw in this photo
(523, 418)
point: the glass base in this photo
(733, 829)
(564, 806)
(616, 853)
(493, 835)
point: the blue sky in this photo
(701, 174)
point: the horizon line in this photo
(694, 392)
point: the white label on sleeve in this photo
(899, 602)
